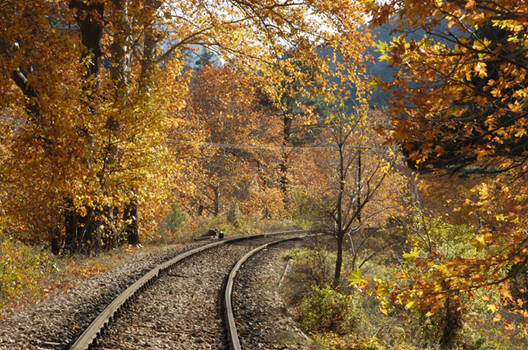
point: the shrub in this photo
(20, 270)
(332, 341)
(327, 310)
(175, 219)
(305, 208)
(234, 214)
(220, 222)
(312, 265)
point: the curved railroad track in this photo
(157, 311)
(231, 326)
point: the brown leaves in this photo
(236, 143)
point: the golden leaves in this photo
(492, 308)
(100, 142)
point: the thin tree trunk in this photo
(339, 260)
(340, 232)
(358, 215)
(217, 200)
(451, 323)
(287, 124)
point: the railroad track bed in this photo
(262, 319)
(177, 306)
(182, 308)
(56, 322)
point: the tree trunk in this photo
(358, 215)
(217, 200)
(340, 229)
(149, 49)
(121, 52)
(71, 226)
(81, 235)
(451, 323)
(130, 214)
(121, 48)
(110, 234)
(287, 124)
(339, 260)
(55, 243)
(132, 228)
(89, 18)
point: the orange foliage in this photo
(460, 97)
(236, 156)
(91, 94)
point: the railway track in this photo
(231, 326)
(157, 310)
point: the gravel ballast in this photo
(263, 322)
(182, 309)
(58, 321)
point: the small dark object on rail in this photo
(213, 232)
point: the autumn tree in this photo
(90, 90)
(463, 83)
(344, 167)
(239, 136)
(81, 123)
(300, 105)
(358, 169)
(460, 106)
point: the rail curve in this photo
(89, 337)
(232, 332)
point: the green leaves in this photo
(20, 270)
(328, 310)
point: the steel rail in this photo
(232, 333)
(88, 338)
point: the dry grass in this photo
(59, 273)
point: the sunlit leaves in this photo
(449, 65)
(460, 105)
(100, 140)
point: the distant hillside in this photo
(379, 68)
(382, 69)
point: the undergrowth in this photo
(179, 227)
(353, 317)
(21, 267)
(29, 274)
